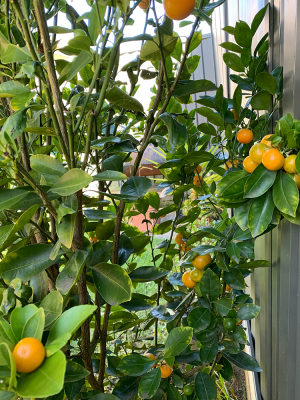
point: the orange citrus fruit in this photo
(95, 240)
(179, 9)
(184, 248)
(178, 238)
(289, 164)
(266, 141)
(228, 164)
(297, 180)
(196, 275)
(249, 165)
(228, 288)
(200, 262)
(273, 160)
(235, 114)
(197, 181)
(29, 354)
(244, 136)
(150, 355)
(144, 4)
(198, 169)
(257, 151)
(187, 280)
(166, 370)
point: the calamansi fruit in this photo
(29, 354)
(179, 9)
(196, 275)
(95, 240)
(249, 165)
(297, 180)
(244, 136)
(144, 4)
(184, 248)
(266, 141)
(257, 151)
(198, 170)
(178, 238)
(150, 355)
(228, 288)
(166, 370)
(200, 262)
(290, 165)
(187, 280)
(232, 314)
(229, 324)
(197, 181)
(235, 115)
(228, 164)
(273, 160)
(188, 390)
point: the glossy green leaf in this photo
(135, 365)
(127, 387)
(234, 278)
(71, 272)
(231, 186)
(256, 264)
(212, 117)
(150, 50)
(137, 186)
(112, 282)
(208, 351)
(147, 274)
(70, 321)
(259, 182)
(34, 326)
(234, 62)
(10, 197)
(6, 352)
(210, 284)
(19, 317)
(241, 215)
(46, 165)
(202, 85)
(177, 132)
(149, 384)
(71, 182)
(199, 318)
(257, 20)
(45, 381)
(110, 176)
(261, 100)
(81, 61)
(173, 393)
(177, 340)
(223, 306)
(205, 387)
(114, 163)
(57, 344)
(75, 372)
(243, 34)
(52, 305)
(267, 82)
(248, 311)
(12, 88)
(261, 213)
(243, 360)
(233, 251)
(285, 194)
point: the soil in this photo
(238, 383)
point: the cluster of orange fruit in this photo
(198, 180)
(175, 9)
(165, 368)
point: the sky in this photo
(130, 50)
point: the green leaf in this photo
(202, 85)
(154, 199)
(27, 261)
(208, 351)
(177, 340)
(10, 197)
(147, 274)
(205, 387)
(297, 163)
(70, 321)
(248, 311)
(75, 372)
(261, 213)
(96, 215)
(210, 284)
(12, 89)
(285, 194)
(231, 186)
(112, 282)
(243, 34)
(150, 50)
(52, 305)
(243, 360)
(196, 41)
(177, 132)
(71, 272)
(34, 326)
(71, 182)
(81, 61)
(261, 101)
(257, 20)
(135, 365)
(259, 182)
(45, 381)
(5, 351)
(149, 384)
(126, 388)
(114, 163)
(136, 187)
(57, 344)
(233, 251)
(14, 126)
(233, 47)
(173, 393)
(234, 62)
(121, 99)
(235, 279)
(267, 82)
(47, 165)
(199, 318)
(19, 317)
(256, 264)
(14, 54)
(5, 395)
(241, 215)
(212, 117)
(110, 176)
(223, 306)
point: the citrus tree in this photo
(75, 321)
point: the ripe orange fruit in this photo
(144, 4)
(198, 170)
(179, 9)
(197, 181)
(273, 159)
(150, 355)
(289, 164)
(29, 354)
(95, 240)
(297, 180)
(249, 165)
(166, 370)
(196, 275)
(235, 114)
(187, 280)
(266, 141)
(257, 151)
(228, 288)
(185, 249)
(244, 136)
(178, 238)
(228, 164)
(200, 262)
